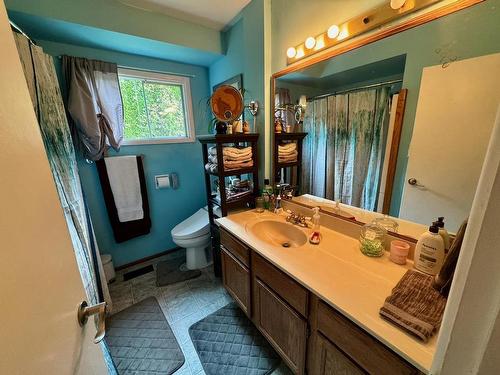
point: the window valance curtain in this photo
(94, 104)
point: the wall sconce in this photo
(298, 110)
(253, 108)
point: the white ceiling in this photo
(214, 14)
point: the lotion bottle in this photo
(429, 252)
(315, 236)
(443, 233)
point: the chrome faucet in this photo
(285, 191)
(297, 219)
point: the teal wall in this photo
(244, 53)
(468, 33)
(168, 207)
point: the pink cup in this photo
(399, 251)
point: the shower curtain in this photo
(47, 101)
(344, 149)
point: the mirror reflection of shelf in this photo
(280, 167)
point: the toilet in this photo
(193, 234)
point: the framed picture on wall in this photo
(236, 81)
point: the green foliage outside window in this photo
(152, 109)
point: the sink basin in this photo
(278, 233)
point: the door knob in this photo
(84, 311)
(413, 182)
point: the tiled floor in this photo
(183, 304)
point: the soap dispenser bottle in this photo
(429, 252)
(315, 236)
(443, 233)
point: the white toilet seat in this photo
(194, 226)
(193, 234)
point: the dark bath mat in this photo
(141, 342)
(169, 272)
(227, 342)
(137, 272)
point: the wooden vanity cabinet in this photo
(338, 346)
(280, 312)
(304, 330)
(329, 360)
(235, 259)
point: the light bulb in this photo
(310, 42)
(291, 52)
(396, 4)
(343, 34)
(333, 31)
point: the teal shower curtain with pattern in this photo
(344, 150)
(48, 105)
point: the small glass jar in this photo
(386, 222)
(259, 204)
(372, 240)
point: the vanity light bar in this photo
(338, 33)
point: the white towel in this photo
(124, 181)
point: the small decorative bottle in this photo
(315, 236)
(277, 126)
(246, 127)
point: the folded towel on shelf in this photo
(232, 157)
(288, 147)
(293, 153)
(231, 151)
(415, 305)
(229, 163)
(238, 165)
(287, 158)
(228, 152)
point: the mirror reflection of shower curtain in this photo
(344, 150)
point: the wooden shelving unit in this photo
(277, 166)
(226, 204)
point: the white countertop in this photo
(337, 272)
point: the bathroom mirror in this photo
(400, 126)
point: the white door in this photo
(455, 116)
(40, 285)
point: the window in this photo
(157, 107)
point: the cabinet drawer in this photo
(240, 251)
(331, 361)
(282, 326)
(366, 351)
(236, 279)
(287, 288)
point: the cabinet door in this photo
(331, 361)
(236, 279)
(281, 325)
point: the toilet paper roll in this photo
(162, 182)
